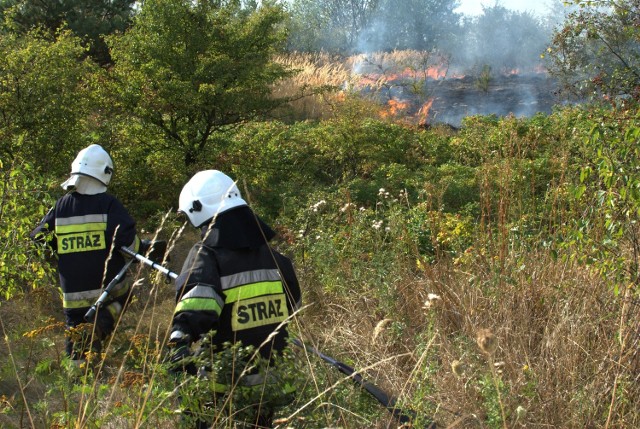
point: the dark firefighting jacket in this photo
(88, 231)
(234, 284)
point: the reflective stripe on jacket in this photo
(88, 230)
(241, 294)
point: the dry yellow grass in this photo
(548, 331)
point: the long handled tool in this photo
(389, 402)
(90, 315)
(155, 249)
(150, 262)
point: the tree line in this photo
(164, 84)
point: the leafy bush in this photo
(22, 200)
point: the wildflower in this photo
(346, 207)
(431, 301)
(317, 206)
(377, 224)
(486, 341)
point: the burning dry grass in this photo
(323, 83)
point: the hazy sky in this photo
(474, 7)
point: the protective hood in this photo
(84, 185)
(238, 228)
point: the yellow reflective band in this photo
(119, 290)
(81, 227)
(260, 311)
(198, 304)
(75, 220)
(88, 297)
(249, 277)
(77, 304)
(81, 242)
(253, 290)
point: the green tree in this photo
(88, 19)
(596, 52)
(504, 40)
(348, 26)
(331, 25)
(422, 25)
(187, 71)
(45, 97)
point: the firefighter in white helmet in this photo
(234, 288)
(83, 229)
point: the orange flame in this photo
(423, 113)
(437, 72)
(394, 108)
(433, 72)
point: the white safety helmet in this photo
(207, 194)
(92, 161)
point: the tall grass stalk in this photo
(17, 374)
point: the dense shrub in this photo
(23, 202)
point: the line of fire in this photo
(425, 89)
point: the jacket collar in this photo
(236, 229)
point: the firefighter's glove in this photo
(180, 355)
(155, 250)
(143, 248)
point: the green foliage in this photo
(328, 25)
(424, 25)
(490, 390)
(607, 193)
(426, 234)
(186, 71)
(595, 54)
(504, 39)
(282, 164)
(343, 27)
(89, 20)
(22, 263)
(483, 81)
(439, 234)
(44, 96)
(221, 396)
